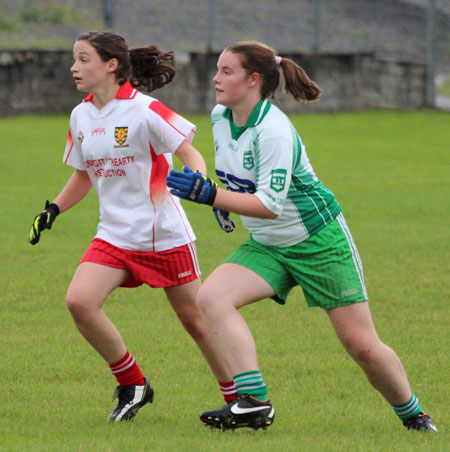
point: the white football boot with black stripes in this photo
(131, 398)
(245, 411)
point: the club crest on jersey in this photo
(278, 179)
(121, 135)
(248, 162)
(80, 137)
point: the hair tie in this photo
(277, 60)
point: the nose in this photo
(214, 79)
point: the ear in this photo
(112, 65)
(254, 79)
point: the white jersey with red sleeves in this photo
(126, 148)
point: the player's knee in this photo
(77, 304)
(195, 327)
(362, 351)
(74, 306)
(365, 356)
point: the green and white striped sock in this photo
(408, 409)
(251, 383)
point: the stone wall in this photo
(40, 82)
(33, 81)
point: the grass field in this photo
(390, 172)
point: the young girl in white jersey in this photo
(121, 142)
(298, 236)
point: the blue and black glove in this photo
(192, 186)
(42, 221)
(224, 220)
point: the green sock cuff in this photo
(250, 373)
(410, 408)
(251, 383)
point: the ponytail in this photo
(297, 83)
(146, 68)
(151, 68)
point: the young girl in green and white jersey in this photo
(298, 236)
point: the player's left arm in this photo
(190, 157)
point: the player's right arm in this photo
(193, 186)
(74, 191)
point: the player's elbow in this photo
(263, 213)
(270, 215)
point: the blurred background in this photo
(363, 53)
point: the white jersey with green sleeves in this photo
(267, 157)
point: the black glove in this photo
(192, 186)
(42, 221)
(224, 220)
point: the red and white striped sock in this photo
(228, 390)
(127, 371)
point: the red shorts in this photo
(157, 269)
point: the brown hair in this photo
(146, 68)
(257, 57)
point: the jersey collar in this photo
(256, 116)
(126, 91)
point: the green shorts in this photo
(326, 266)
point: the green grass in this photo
(390, 172)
